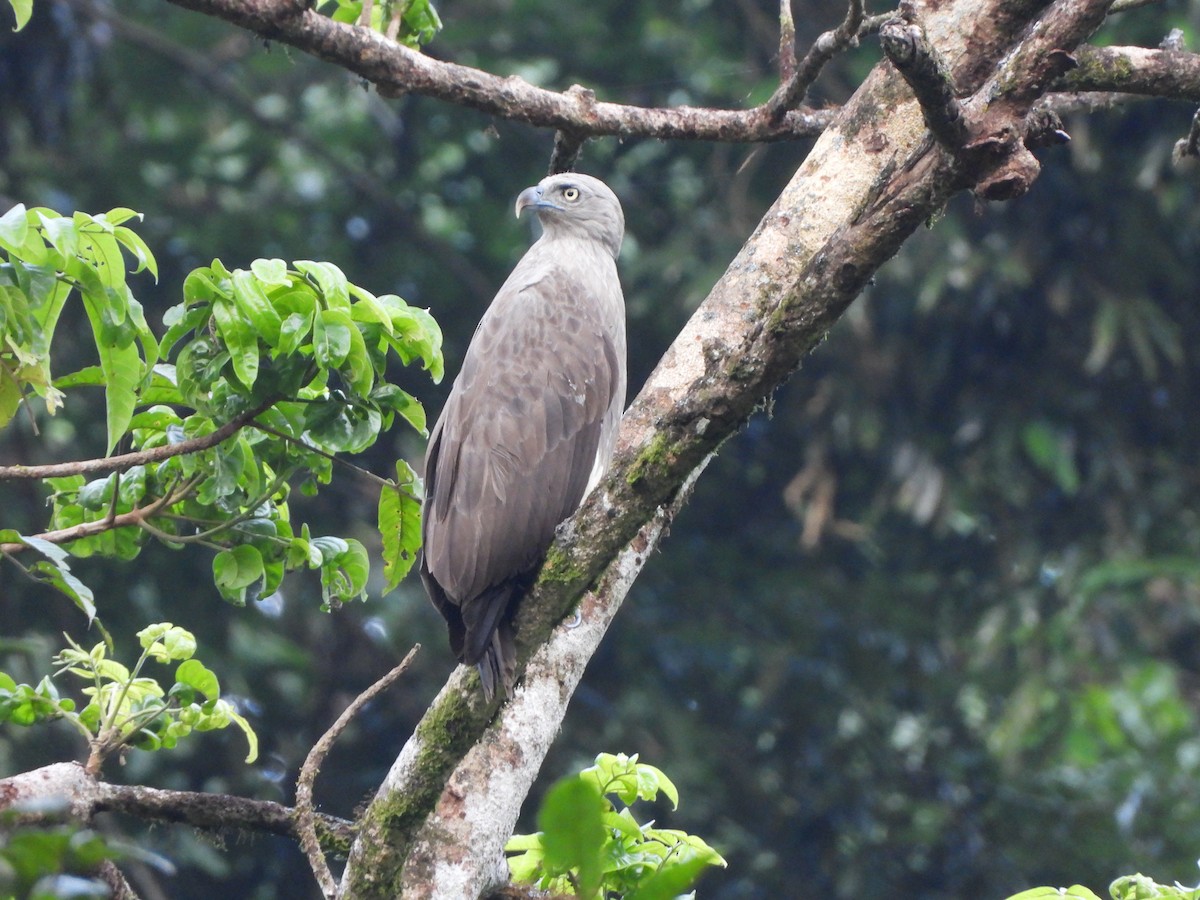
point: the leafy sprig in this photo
(587, 847)
(126, 708)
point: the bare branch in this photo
(305, 817)
(1174, 74)
(787, 42)
(81, 797)
(919, 63)
(1125, 5)
(396, 69)
(138, 458)
(791, 93)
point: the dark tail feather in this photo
(498, 663)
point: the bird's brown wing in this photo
(511, 455)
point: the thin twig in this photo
(138, 458)
(114, 878)
(284, 436)
(787, 42)
(108, 523)
(305, 816)
(791, 93)
(1125, 5)
(229, 525)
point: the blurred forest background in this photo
(930, 627)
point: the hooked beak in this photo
(532, 196)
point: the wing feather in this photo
(522, 429)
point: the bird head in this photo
(576, 205)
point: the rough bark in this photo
(66, 789)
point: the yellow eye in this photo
(571, 193)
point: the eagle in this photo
(531, 420)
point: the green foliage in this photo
(302, 349)
(54, 570)
(126, 708)
(53, 862)
(1127, 887)
(585, 846)
(44, 258)
(22, 9)
(411, 22)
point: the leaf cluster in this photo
(299, 352)
(587, 847)
(126, 708)
(1127, 887)
(411, 22)
(48, 863)
(44, 258)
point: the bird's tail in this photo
(498, 663)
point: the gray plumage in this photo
(530, 423)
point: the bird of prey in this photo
(530, 423)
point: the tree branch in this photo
(135, 517)
(138, 458)
(906, 46)
(791, 92)
(1174, 74)
(396, 69)
(305, 817)
(31, 797)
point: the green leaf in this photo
(329, 280)
(270, 272)
(55, 571)
(652, 781)
(195, 675)
(417, 335)
(573, 832)
(14, 224)
(251, 737)
(167, 642)
(240, 341)
(235, 570)
(133, 242)
(1053, 451)
(400, 524)
(669, 881)
(357, 368)
(397, 400)
(253, 303)
(122, 369)
(331, 337)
